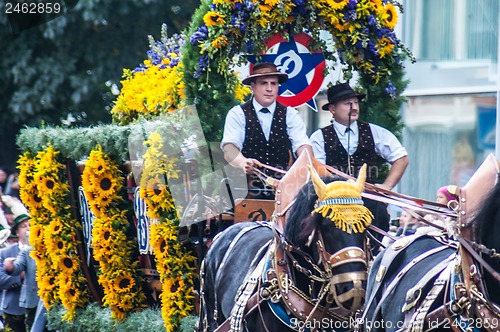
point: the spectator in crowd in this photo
(12, 186)
(29, 298)
(4, 174)
(408, 224)
(444, 196)
(14, 315)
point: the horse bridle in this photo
(326, 276)
(344, 256)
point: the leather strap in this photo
(295, 301)
(417, 320)
(253, 302)
(395, 281)
(389, 255)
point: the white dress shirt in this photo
(234, 128)
(387, 145)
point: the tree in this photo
(62, 72)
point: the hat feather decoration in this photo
(16, 206)
(18, 209)
(340, 201)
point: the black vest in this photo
(277, 151)
(336, 155)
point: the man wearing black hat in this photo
(263, 130)
(348, 143)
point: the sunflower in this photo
(390, 18)
(101, 181)
(88, 180)
(55, 245)
(107, 184)
(337, 4)
(99, 166)
(36, 233)
(155, 189)
(219, 42)
(45, 184)
(30, 197)
(385, 46)
(127, 303)
(67, 264)
(213, 19)
(124, 283)
(111, 247)
(26, 165)
(69, 295)
(55, 226)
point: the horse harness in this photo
(457, 276)
(272, 281)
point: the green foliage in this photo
(211, 93)
(95, 318)
(379, 107)
(117, 141)
(188, 324)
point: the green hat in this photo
(19, 219)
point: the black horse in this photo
(312, 275)
(434, 283)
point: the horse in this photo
(312, 275)
(442, 281)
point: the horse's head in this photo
(327, 221)
(487, 222)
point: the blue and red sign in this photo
(304, 68)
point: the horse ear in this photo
(360, 182)
(319, 185)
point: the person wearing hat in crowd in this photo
(262, 130)
(347, 144)
(14, 314)
(29, 298)
(444, 196)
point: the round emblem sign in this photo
(304, 67)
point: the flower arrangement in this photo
(362, 32)
(118, 272)
(156, 86)
(45, 191)
(174, 264)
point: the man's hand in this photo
(236, 159)
(249, 164)
(8, 264)
(395, 173)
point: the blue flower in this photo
(391, 90)
(202, 64)
(200, 35)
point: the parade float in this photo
(105, 213)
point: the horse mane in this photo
(300, 223)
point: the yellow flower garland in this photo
(175, 266)
(118, 274)
(45, 192)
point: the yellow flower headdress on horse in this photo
(340, 201)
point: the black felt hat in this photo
(340, 92)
